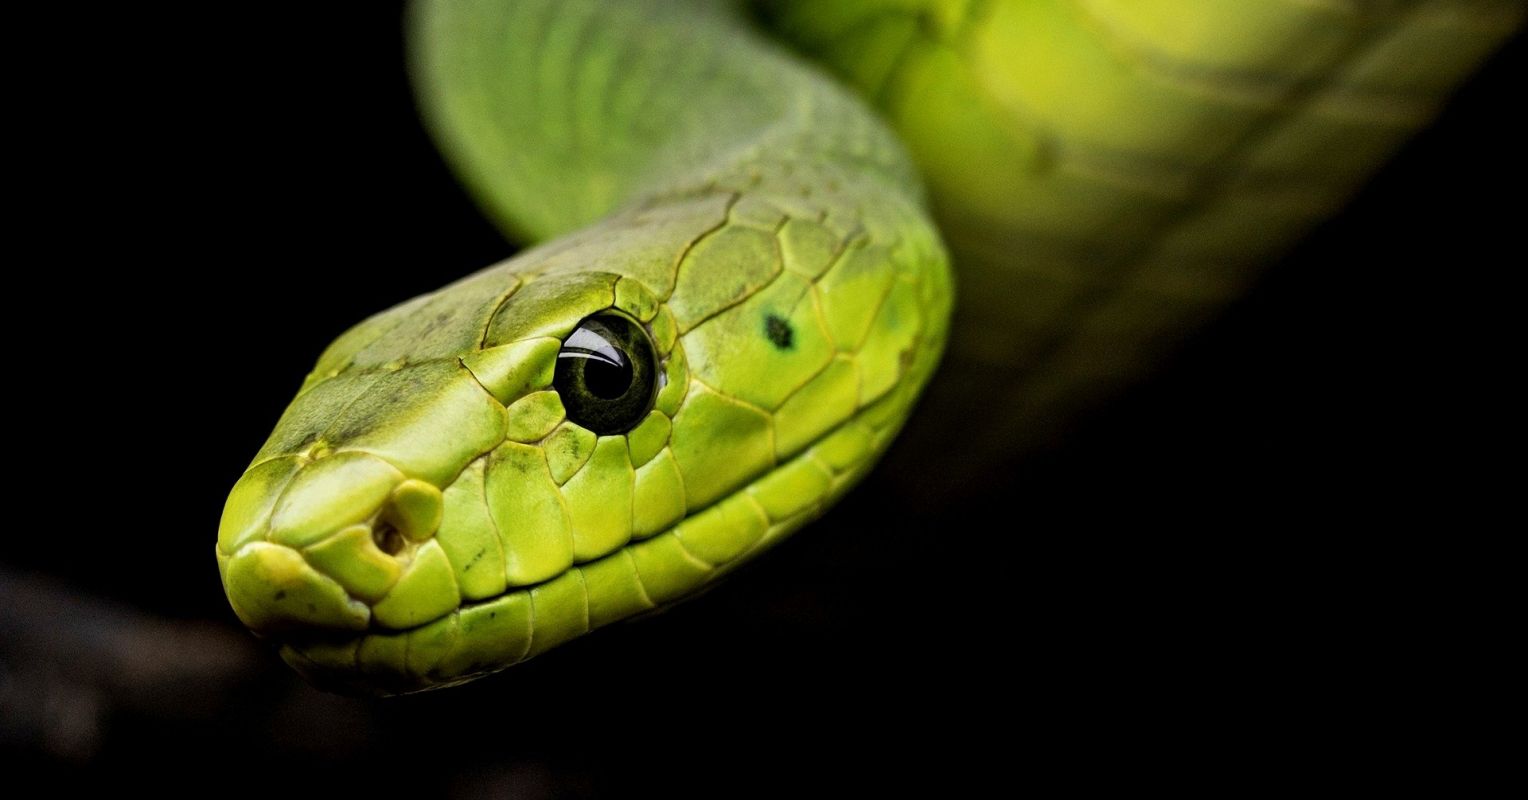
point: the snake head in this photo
(572, 437)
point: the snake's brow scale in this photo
(498, 304)
(684, 252)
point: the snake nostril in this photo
(387, 537)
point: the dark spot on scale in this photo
(387, 538)
(281, 594)
(779, 331)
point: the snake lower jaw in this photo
(296, 601)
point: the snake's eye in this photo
(607, 373)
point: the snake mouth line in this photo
(805, 452)
(584, 590)
(385, 535)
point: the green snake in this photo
(740, 286)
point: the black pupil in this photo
(605, 379)
(606, 373)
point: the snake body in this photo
(740, 290)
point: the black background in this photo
(1234, 558)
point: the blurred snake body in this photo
(740, 287)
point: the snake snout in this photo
(332, 541)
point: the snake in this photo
(744, 226)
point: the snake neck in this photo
(560, 113)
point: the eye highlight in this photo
(607, 373)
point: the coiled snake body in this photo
(741, 289)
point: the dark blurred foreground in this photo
(1234, 564)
